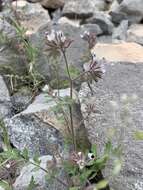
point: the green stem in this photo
(71, 96)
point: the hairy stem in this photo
(71, 96)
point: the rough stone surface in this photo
(65, 20)
(11, 60)
(120, 33)
(44, 110)
(76, 9)
(28, 131)
(21, 99)
(52, 4)
(120, 52)
(135, 33)
(5, 102)
(132, 10)
(120, 78)
(31, 16)
(103, 20)
(39, 176)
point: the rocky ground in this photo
(30, 121)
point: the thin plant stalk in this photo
(71, 96)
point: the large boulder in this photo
(103, 20)
(11, 60)
(31, 16)
(121, 77)
(82, 9)
(45, 108)
(135, 33)
(120, 52)
(129, 9)
(120, 33)
(28, 131)
(49, 3)
(39, 176)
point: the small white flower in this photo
(81, 164)
(94, 57)
(45, 88)
(91, 156)
(7, 166)
(60, 36)
(51, 36)
(114, 105)
(124, 98)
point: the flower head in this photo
(96, 67)
(90, 37)
(57, 40)
(78, 159)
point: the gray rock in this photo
(92, 28)
(39, 176)
(44, 108)
(120, 78)
(78, 9)
(103, 20)
(135, 33)
(11, 60)
(120, 33)
(132, 10)
(31, 16)
(21, 99)
(83, 9)
(52, 4)
(27, 130)
(5, 102)
(6, 29)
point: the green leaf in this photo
(74, 72)
(36, 159)
(5, 135)
(5, 185)
(117, 167)
(102, 184)
(73, 188)
(108, 147)
(32, 184)
(94, 149)
(25, 154)
(138, 135)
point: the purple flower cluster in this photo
(57, 40)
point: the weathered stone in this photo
(21, 99)
(92, 28)
(103, 20)
(132, 10)
(120, 52)
(135, 33)
(11, 60)
(83, 9)
(31, 16)
(28, 171)
(65, 20)
(120, 78)
(120, 33)
(5, 102)
(46, 111)
(28, 131)
(7, 31)
(53, 4)
(76, 9)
